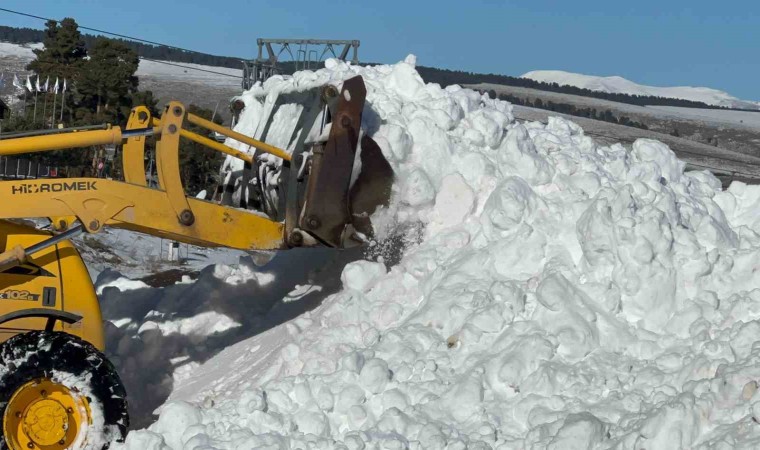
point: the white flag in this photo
(2, 79)
(39, 88)
(64, 85)
(55, 86)
(45, 87)
(16, 83)
(29, 86)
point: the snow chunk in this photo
(361, 274)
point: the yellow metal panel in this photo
(138, 208)
(133, 152)
(58, 267)
(167, 162)
(79, 297)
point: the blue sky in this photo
(662, 43)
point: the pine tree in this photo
(107, 82)
(147, 99)
(64, 51)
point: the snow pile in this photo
(554, 293)
(620, 85)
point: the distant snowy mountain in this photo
(619, 85)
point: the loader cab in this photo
(51, 291)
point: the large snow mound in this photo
(554, 293)
(620, 85)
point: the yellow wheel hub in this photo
(45, 415)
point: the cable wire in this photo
(189, 67)
(128, 38)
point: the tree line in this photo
(103, 88)
(605, 115)
(27, 35)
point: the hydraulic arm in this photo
(166, 211)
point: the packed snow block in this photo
(580, 431)
(565, 316)
(142, 440)
(464, 399)
(563, 128)
(394, 140)
(374, 376)
(518, 156)
(521, 256)
(433, 150)
(632, 244)
(405, 80)
(745, 339)
(511, 203)
(361, 274)
(675, 424)
(175, 421)
(655, 162)
(416, 188)
(486, 128)
(453, 204)
(741, 205)
(508, 368)
(251, 401)
(349, 396)
(395, 398)
(312, 422)
(511, 296)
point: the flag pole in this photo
(52, 116)
(55, 99)
(34, 116)
(63, 98)
(44, 108)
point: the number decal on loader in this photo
(19, 295)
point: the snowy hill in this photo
(21, 51)
(620, 85)
(555, 293)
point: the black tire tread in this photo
(50, 351)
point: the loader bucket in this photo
(317, 194)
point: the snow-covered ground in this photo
(179, 71)
(21, 51)
(184, 72)
(620, 85)
(554, 293)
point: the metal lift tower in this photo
(308, 53)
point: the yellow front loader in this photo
(57, 389)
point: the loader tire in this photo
(58, 391)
